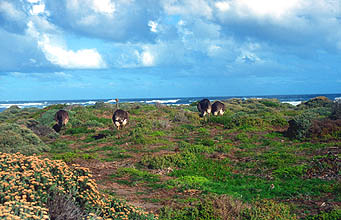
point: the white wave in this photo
(111, 100)
(22, 105)
(163, 101)
(295, 103)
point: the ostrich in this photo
(218, 108)
(62, 118)
(120, 117)
(204, 107)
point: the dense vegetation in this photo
(261, 160)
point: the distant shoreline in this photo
(291, 99)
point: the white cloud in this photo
(103, 6)
(199, 8)
(147, 58)
(114, 20)
(273, 8)
(80, 59)
(222, 6)
(153, 26)
(37, 9)
(33, 1)
(10, 11)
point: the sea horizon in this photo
(291, 99)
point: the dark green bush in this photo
(47, 118)
(39, 129)
(239, 119)
(332, 215)
(320, 101)
(15, 138)
(201, 210)
(299, 126)
(184, 146)
(336, 111)
(270, 103)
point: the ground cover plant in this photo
(261, 160)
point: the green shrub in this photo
(41, 130)
(189, 182)
(239, 119)
(290, 172)
(336, 111)
(270, 103)
(15, 138)
(268, 210)
(200, 210)
(332, 215)
(184, 146)
(47, 118)
(320, 101)
(299, 126)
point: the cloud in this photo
(12, 18)
(61, 56)
(120, 20)
(197, 8)
(312, 24)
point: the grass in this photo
(237, 166)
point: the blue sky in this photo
(86, 49)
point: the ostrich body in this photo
(120, 117)
(62, 118)
(204, 107)
(218, 108)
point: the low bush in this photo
(15, 138)
(320, 101)
(240, 119)
(270, 102)
(39, 129)
(332, 215)
(201, 210)
(268, 210)
(188, 182)
(33, 180)
(336, 110)
(290, 172)
(47, 118)
(299, 126)
(325, 128)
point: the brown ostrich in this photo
(218, 108)
(204, 107)
(120, 117)
(62, 118)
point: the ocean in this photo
(291, 99)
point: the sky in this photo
(98, 49)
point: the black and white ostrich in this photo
(218, 108)
(204, 107)
(62, 118)
(120, 117)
